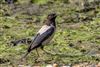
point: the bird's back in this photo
(43, 29)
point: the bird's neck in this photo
(51, 22)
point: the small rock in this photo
(49, 65)
(23, 66)
(55, 65)
(36, 66)
(98, 65)
(66, 66)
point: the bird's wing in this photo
(41, 37)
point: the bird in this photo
(44, 35)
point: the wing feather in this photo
(40, 38)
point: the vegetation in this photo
(76, 40)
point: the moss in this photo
(76, 39)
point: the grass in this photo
(75, 40)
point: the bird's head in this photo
(51, 19)
(52, 16)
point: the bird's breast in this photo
(48, 40)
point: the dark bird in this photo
(44, 35)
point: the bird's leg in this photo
(37, 59)
(37, 52)
(42, 48)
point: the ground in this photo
(76, 41)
